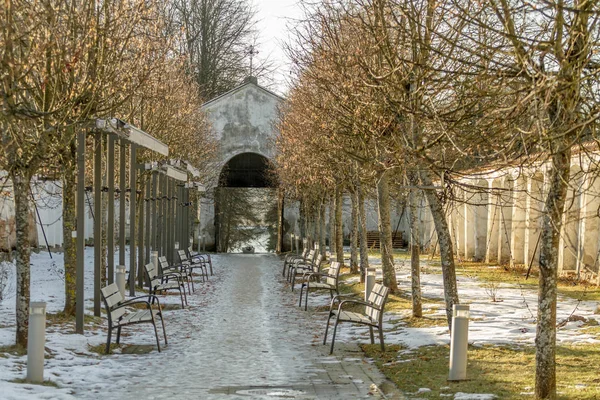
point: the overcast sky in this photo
(273, 16)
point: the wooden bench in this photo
(303, 268)
(291, 258)
(119, 314)
(165, 282)
(193, 264)
(373, 315)
(178, 269)
(193, 255)
(330, 283)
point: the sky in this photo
(274, 16)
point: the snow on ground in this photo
(510, 321)
(69, 351)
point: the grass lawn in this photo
(507, 372)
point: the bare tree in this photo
(217, 37)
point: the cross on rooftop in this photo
(252, 52)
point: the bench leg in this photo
(108, 340)
(187, 278)
(155, 331)
(337, 320)
(327, 328)
(210, 263)
(118, 335)
(306, 298)
(381, 337)
(181, 297)
(371, 334)
(301, 292)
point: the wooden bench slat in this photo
(118, 313)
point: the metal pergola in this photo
(163, 198)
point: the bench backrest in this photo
(334, 273)
(163, 263)
(182, 256)
(152, 274)
(378, 297)
(310, 256)
(305, 253)
(112, 297)
(317, 263)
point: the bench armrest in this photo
(308, 275)
(137, 300)
(357, 301)
(338, 297)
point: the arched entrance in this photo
(246, 206)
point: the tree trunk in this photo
(415, 268)
(21, 181)
(279, 244)
(354, 234)
(104, 216)
(69, 215)
(339, 230)
(332, 224)
(445, 243)
(545, 340)
(385, 233)
(322, 227)
(364, 248)
(302, 220)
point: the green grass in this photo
(507, 372)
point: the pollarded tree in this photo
(349, 120)
(546, 55)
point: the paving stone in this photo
(244, 337)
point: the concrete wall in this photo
(243, 121)
(498, 218)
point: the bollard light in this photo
(370, 275)
(120, 279)
(154, 259)
(36, 338)
(459, 341)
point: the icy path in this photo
(242, 337)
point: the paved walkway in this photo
(243, 337)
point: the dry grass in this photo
(507, 372)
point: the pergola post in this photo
(97, 221)
(122, 188)
(178, 211)
(163, 213)
(132, 211)
(155, 203)
(148, 214)
(79, 281)
(186, 216)
(126, 134)
(110, 239)
(169, 220)
(141, 234)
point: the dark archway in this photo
(246, 170)
(246, 205)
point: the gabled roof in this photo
(249, 81)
